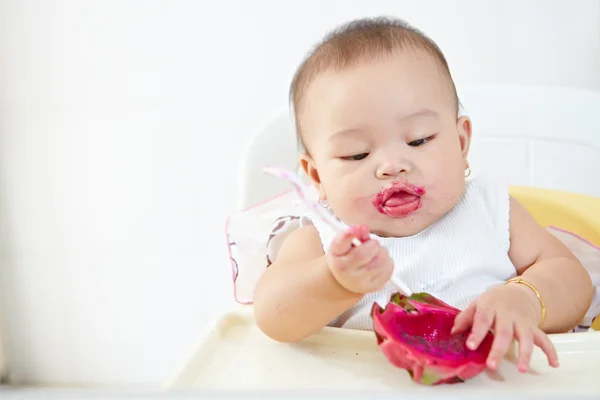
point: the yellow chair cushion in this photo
(573, 212)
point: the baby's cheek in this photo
(362, 204)
(448, 191)
(351, 211)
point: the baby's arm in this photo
(546, 263)
(298, 295)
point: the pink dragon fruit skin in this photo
(414, 334)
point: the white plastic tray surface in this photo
(236, 355)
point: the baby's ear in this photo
(463, 127)
(310, 169)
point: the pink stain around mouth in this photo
(399, 200)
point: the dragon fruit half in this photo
(414, 334)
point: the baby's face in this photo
(386, 146)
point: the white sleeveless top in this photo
(456, 259)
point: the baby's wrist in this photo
(532, 306)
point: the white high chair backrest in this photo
(273, 143)
(534, 136)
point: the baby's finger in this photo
(379, 270)
(543, 342)
(361, 232)
(378, 261)
(360, 256)
(342, 243)
(503, 337)
(524, 335)
(482, 322)
(464, 320)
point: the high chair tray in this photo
(236, 355)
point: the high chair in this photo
(545, 141)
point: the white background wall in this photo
(120, 127)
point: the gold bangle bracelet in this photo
(518, 279)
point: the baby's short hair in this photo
(355, 42)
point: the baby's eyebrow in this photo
(425, 112)
(346, 132)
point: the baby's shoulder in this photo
(300, 244)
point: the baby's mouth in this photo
(399, 200)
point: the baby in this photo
(377, 115)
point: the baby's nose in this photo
(387, 170)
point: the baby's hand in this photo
(362, 269)
(511, 311)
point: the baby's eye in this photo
(356, 157)
(419, 142)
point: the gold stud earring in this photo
(467, 171)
